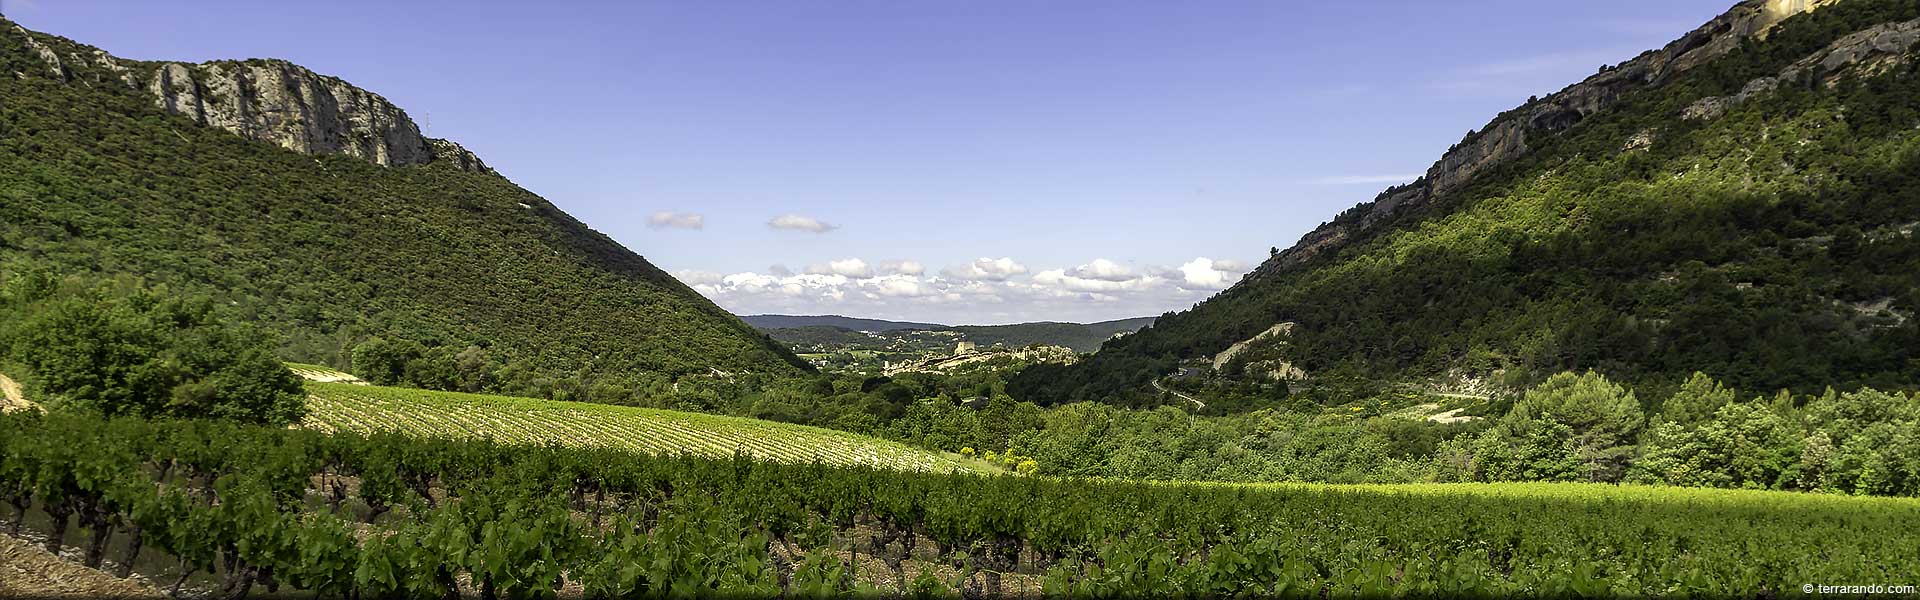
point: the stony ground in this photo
(10, 398)
(27, 571)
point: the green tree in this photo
(1696, 401)
(1600, 417)
(120, 348)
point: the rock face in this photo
(1225, 356)
(286, 104)
(457, 155)
(1507, 136)
(1863, 53)
(274, 101)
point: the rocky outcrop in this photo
(274, 101)
(290, 106)
(1508, 135)
(1863, 53)
(46, 54)
(457, 155)
(1225, 356)
(1713, 106)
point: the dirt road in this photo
(1198, 405)
(10, 397)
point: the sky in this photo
(947, 161)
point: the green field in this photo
(363, 408)
(404, 516)
(320, 373)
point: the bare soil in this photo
(10, 397)
(27, 571)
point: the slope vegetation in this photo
(333, 247)
(365, 409)
(1737, 203)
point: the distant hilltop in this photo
(852, 323)
(1081, 337)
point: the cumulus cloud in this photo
(1097, 290)
(901, 286)
(668, 219)
(800, 223)
(851, 267)
(986, 269)
(1104, 270)
(695, 278)
(901, 267)
(1070, 280)
(1205, 274)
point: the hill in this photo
(848, 323)
(1080, 337)
(833, 333)
(320, 211)
(365, 409)
(1741, 202)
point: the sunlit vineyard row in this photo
(527, 421)
(392, 515)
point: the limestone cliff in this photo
(1863, 53)
(1507, 136)
(274, 101)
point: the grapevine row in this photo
(366, 409)
(281, 508)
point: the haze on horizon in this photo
(954, 163)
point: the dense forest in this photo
(1772, 246)
(330, 251)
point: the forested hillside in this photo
(332, 248)
(1751, 217)
(1080, 337)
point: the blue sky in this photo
(948, 161)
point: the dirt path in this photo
(1196, 401)
(1426, 411)
(27, 571)
(10, 397)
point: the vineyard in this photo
(391, 515)
(527, 421)
(323, 374)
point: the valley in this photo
(842, 344)
(1652, 334)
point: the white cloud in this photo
(1064, 280)
(1205, 274)
(696, 278)
(986, 269)
(901, 286)
(899, 289)
(901, 267)
(851, 267)
(1104, 270)
(800, 223)
(668, 219)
